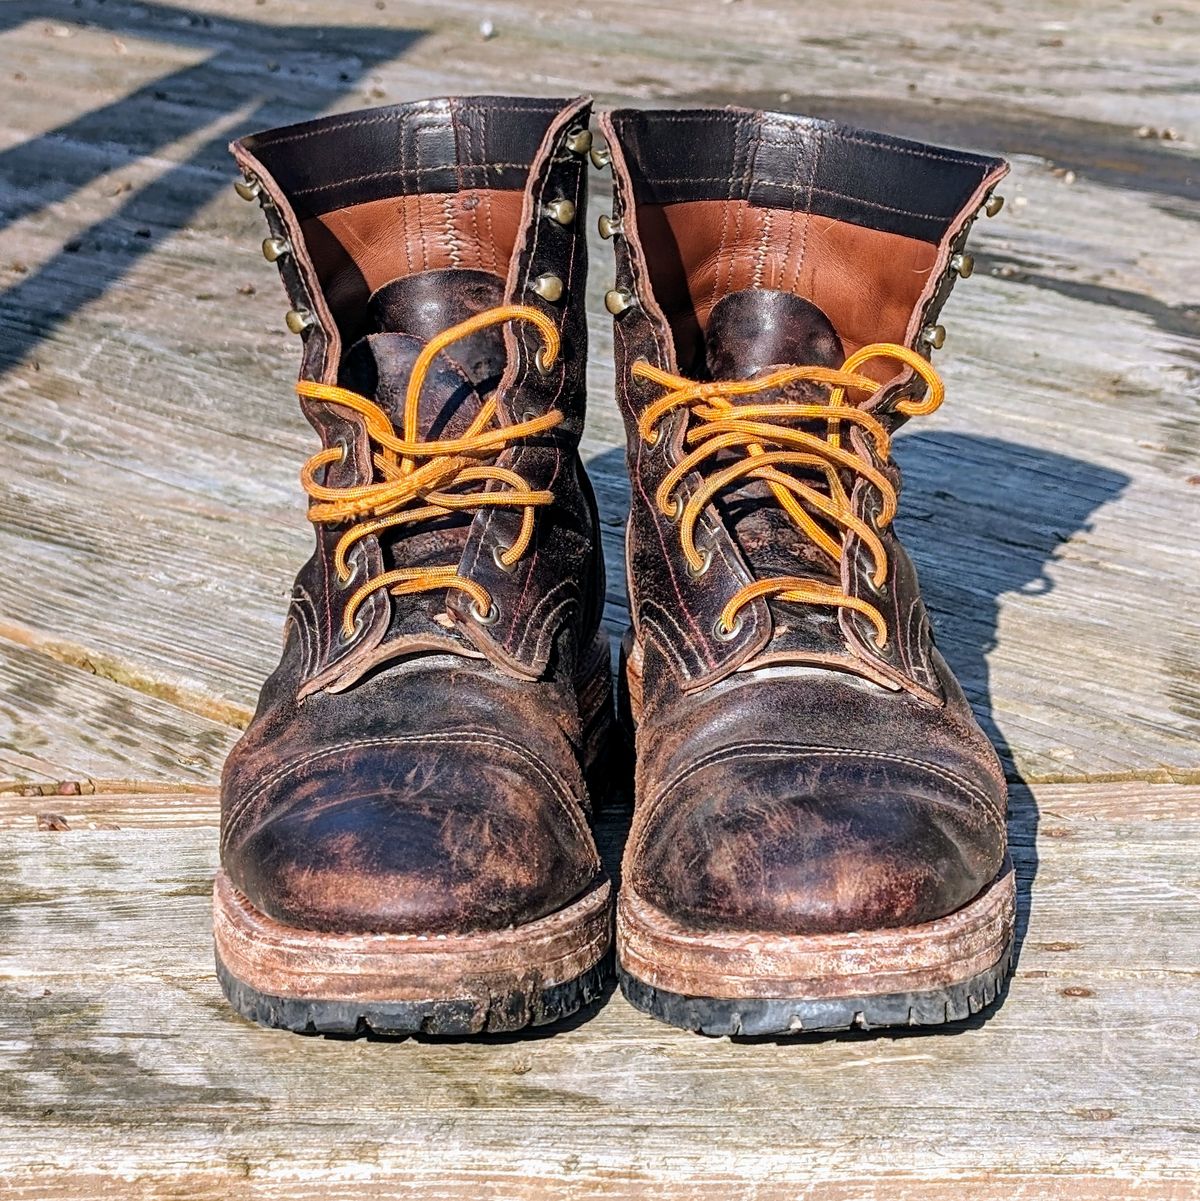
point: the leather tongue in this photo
(752, 330)
(748, 333)
(402, 316)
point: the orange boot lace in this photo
(420, 480)
(770, 444)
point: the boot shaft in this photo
(748, 242)
(389, 227)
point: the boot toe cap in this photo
(410, 836)
(805, 842)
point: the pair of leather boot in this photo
(818, 836)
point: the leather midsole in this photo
(284, 961)
(762, 965)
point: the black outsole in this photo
(757, 1017)
(445, 1019)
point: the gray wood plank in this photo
(65, 728)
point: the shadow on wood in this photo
(243, 72)
(983, 518)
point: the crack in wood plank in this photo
(228, 713)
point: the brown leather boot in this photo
(405, 840)
(819, 834)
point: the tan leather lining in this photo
(359, 248)
(866, 282)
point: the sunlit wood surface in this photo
(151, 521)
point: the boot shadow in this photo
(983, 519)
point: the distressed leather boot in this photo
(405, 840)
(819, 832)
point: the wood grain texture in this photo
(151, 522)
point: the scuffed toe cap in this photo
(424, 834)
(807, 841)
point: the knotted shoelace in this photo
(421, 480)
(770, 444)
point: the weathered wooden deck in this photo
(150, 523)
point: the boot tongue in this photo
(749, 333)
(752, 330)
(402, 316)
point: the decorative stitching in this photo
(403, 172)
(772, 750)
(964, 160)
(562, 791)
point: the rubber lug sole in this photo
(312, 981)
(751, 1018)
(441, 1019)
(763, 983)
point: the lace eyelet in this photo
(485, 619)
(352, 563)
(727, 635)
(539, 361)
(498, 553)
(706, 557)
(675, 511)
(344, 639)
